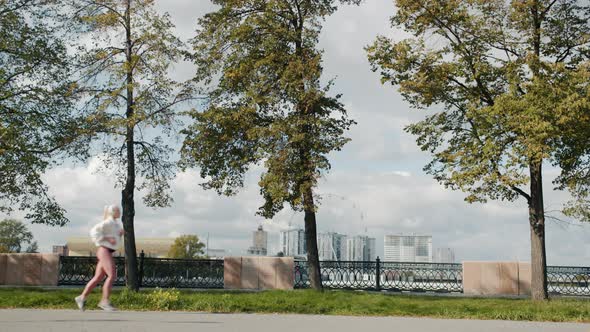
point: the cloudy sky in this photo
(376, 186)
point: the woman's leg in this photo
(98, 276)
(109, 268)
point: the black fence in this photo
(153, 272)
(78, 270)
(182, 273)
(568, 280)
(392, 276)
(425, 277)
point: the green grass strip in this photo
(347, 303)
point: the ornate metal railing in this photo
(182, 273)
(78, 270)
(392, 276)
(421, 277)
(153, 272)
(568, 280)
(379, 275)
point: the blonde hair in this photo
(109, 211)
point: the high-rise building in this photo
(259, 242)
(293, 242)
(331, 246)
(444, 255)
(360, 248)
(408, 248)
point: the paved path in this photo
(70, 321)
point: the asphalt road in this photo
(70, 321)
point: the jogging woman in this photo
(106, 235)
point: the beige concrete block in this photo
(508, 283)
(490, 278)
(3, 258)
(32, 269)
(232, 272)
(258, 273)
(524, 282)
(49, 269)
(285, 277)
(496, 278)
(267, 273)
(250, 268)
(472, 278)
(14, 269)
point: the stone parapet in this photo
(496, 278)
(29, 269)
(258, 273)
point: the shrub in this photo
(160, 299)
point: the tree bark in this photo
(311, 240)
(536, 207)
(127, 200)
(313, 261)
(537, 228)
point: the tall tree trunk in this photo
(537, 226)
(313, 261)
(311, 240)
(536, 208)
(127, 201)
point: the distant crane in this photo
(354, 205)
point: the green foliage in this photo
(503, 75)
(187, 246)
(164, 299)
(345, 303)
(14, 235)
(37, 121)
(266, 105)
(574, 146)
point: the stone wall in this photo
(496, 278)
(258, 273)
(479, 278)
(29, 269)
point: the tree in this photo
(267, 106)
(37, 121)
(14, 235)
(123, 76)
(187, 247)
(496, 72)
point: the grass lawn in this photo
(309, 302)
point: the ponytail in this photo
(109, 211)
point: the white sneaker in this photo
(106, 306)
(80, 302)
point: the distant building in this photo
(408, 248)
(360, 248)
(259, 243)
(292, 242)
(331, 246)
(152, 247)
(61, 250)
(444, 255)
